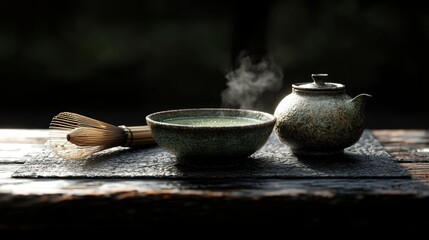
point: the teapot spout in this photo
(359, 101)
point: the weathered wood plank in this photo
(405, 145)
(32, 136)
(304, 203)
(6, 170)
(18, 152)
(295, 204)
(217, 188)
(418, 170)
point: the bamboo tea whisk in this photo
(73, 136)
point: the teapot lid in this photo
(319, 84)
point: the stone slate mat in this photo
(365, 159)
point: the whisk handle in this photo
(138, 136)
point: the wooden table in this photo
(291, 203)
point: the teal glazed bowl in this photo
(211, 136)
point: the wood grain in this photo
(409, 147)
(296, 203)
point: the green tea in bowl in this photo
(216, 121)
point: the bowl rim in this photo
(271, 121)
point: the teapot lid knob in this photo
(319, 78)
(319, 84)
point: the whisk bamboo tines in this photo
(73, 136)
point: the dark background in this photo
(119, 61)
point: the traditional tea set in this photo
(316, 119)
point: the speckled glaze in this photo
(210, 145)
(319, 118)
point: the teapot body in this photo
(319, 123)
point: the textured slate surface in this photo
(365, 159)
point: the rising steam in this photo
(251, 82)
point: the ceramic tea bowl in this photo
(211, 136)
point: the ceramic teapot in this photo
(319, 118)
